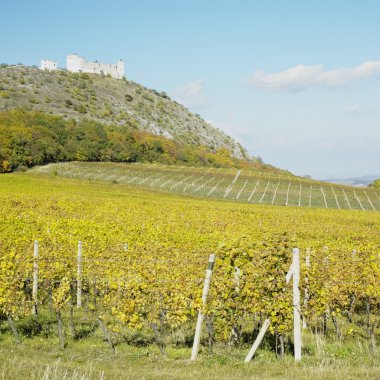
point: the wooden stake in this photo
(35, 278)
(296, 304)
(258, 340)
(60, 330)
(360, 203)
(79, 275)
(287, 195)
(253, 191)
(13, 328)
(294, 271)
(311, 188)
(206, 287)
(306, 297)
(106, 335)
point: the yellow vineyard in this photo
(144, 256)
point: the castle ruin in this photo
(77, 64)
(46, 64)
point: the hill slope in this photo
(245, 185)
(110, 101)
(29, 138)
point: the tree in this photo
(376, 183)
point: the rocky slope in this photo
(110, 101)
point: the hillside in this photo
(243, 185)
(29, 138)
(110, 101)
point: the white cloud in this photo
(301, 77)
(355, 110)
(191, 94)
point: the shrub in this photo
(148, 97)
(376, 183)
(5, 167)
(106, 113)
(81, 108)
(21, 168)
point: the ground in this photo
(91, 359)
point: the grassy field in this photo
(231, 184)
(90, 359)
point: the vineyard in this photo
(143, 257)
(231, 184)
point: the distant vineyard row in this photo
(235, 185)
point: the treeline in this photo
(29, 138)
(375, 183)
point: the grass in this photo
(91, 359)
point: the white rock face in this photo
(77, 64)
(46, 64)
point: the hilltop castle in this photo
(46, 64)
(77, 64)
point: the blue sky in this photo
(296, 82)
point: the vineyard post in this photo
(296, 304)
(306, 297)
(235, 329)
(79, 275)
(206, 287)
(294, 271)
(35, 277)
(258, 340)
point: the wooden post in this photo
(237, 273)
(296, 304)
(79, 275)
(35, 277)
(306, 296)
(206, 287)
(258, 340)
(235, 328)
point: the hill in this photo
(29, 138)
(243, 185)
(109, 101)
(355, 181)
